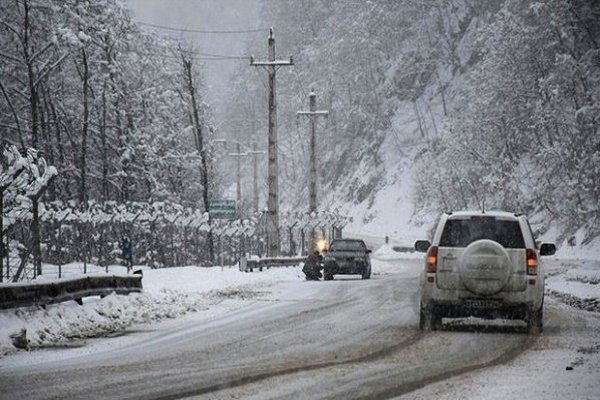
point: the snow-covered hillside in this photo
(445, 106)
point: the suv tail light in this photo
(431, 259)
(531, 262)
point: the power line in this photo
(216, 56)
(169, 28)
(205, 56)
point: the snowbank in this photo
(168, 293)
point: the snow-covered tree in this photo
(23, 178)
(524, 130)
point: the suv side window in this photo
(461, 232)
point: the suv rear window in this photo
(461, 232)
(347, 245)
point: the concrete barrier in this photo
(14, 295)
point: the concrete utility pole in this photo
(255, 153)
(238, 187)
(313, 113)
(271, 66)
(255, 165)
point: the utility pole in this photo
(255, 152)
(238, 187)
(238, 155)
(271, 66)
(255, 176)
(313, 113)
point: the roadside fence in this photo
(161, 234)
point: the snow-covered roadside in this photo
(575, 276)
(576, 284)
(168, 293)
(174, 292)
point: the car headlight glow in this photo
(321, 245)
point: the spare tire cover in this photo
(484, 267)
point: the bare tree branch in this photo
(16, 117)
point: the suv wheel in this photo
(327, 276)
(366, 272)
(429, 320)
(535, 320)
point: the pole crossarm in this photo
(275, 63)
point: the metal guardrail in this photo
(269, 262)
(42, 293)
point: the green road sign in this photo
(222, 209)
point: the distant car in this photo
(347, 257)
(483, 264)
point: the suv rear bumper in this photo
(467, 309)
(462, 303)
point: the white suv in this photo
(482, 264)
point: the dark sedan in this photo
(347, 257)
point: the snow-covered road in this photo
(344, 339)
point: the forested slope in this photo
(489, 104)
(444, 104)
